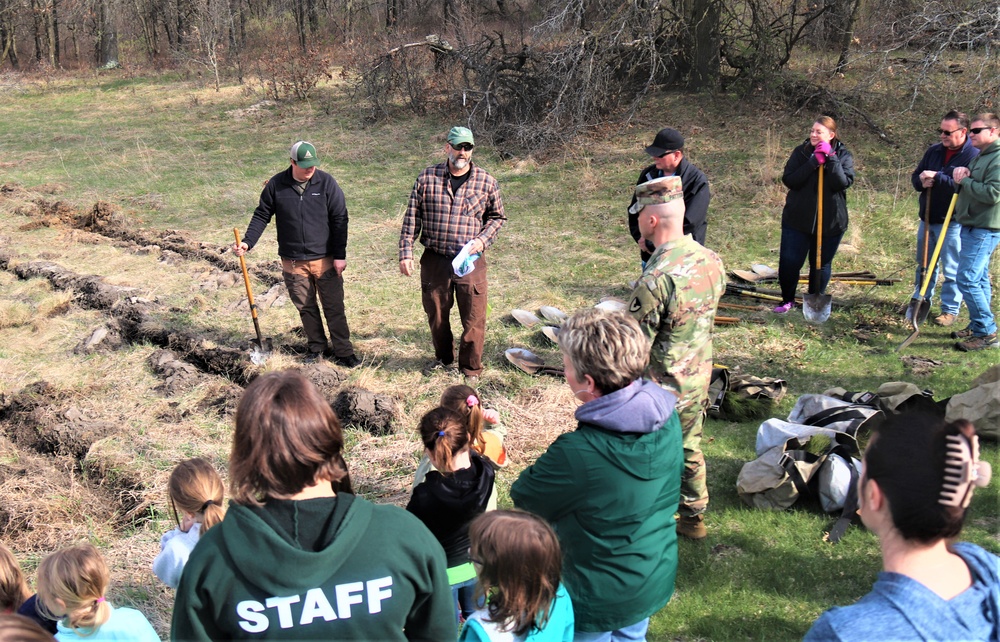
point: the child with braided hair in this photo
(917, 480)
(451, 496)
(196, 493)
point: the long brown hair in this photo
(13, 589)
(17, 628)
(443, 432)
(287, 437)
(195, 487)
(520, 566)
(465, 401)
(78, 577)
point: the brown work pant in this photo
(307, 279)
(440, 289)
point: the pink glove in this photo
(820, 157)
(824, 147)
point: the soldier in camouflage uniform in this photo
(675, 303)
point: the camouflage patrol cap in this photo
(659, 190)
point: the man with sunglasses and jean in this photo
(932, 178)
(667, 151)
(453, 204)
(978, 211)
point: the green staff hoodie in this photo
(357, 572)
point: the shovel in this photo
(925, 303)
(920, 307)
(261, 347)
(816, 307)
(531, 363)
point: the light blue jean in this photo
(947, 263)
(463, 595)
(631, 633)
(978, 244)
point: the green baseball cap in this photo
(459, 135)
(304, 154)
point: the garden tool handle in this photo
(927, 226)
(246, 283)
(937, 246)
(819, 221)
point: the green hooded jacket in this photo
(978, 202)
(610, 490)
(379, 576)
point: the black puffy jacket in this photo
(801, 177)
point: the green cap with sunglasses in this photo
(459, 135)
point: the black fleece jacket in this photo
(311, 225)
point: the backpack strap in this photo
(788, 461)
(850, 502)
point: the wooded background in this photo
(528, 74)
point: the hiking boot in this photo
(312, 357)
(784, 308)
(438, 366)
(979, 343)
(692, 527)
(945, 319)
(350, 361)
(962, 334)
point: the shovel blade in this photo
(816, 307)
(918, 311)
(524, 360)
(260, 351)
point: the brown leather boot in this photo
(692, 527)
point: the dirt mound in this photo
(37, 418)
(376, 413)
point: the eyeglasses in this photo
(464, 147)
(977, 130)
(945, 132)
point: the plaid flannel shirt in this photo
(444, 221)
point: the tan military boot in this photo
(692, 527)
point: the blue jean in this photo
(463, 595)
(951, 297)
(796, 246)
(631, 633)
(978, 244)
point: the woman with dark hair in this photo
(822, 153)
(298, 557)
(916, 482)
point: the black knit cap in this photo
(667, 140)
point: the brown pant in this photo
(307, 279)
(440, 290)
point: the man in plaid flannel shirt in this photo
(453, 204)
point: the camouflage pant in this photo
(694, 482)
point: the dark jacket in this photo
(610, 490)
(696, 198)
(311, 226)
(447, 503)
(802, 180)
(309, 570)
(944, 186)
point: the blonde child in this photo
(486, 435)
(13, 589)
(71, 587)
(196, 493)
(15, 596)
(451, 496)
(518, 561)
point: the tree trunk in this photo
(53, 31)
(300, 22)
(702, 17)
(107, 35)
(36, 24)
(9, 44)
(847, 35)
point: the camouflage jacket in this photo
(675, 302)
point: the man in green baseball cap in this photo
(311, 219)
(454, 206)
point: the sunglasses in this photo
(977, 130)
(465, 147)
(674, 151)
(945, 132)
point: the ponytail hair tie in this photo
(471, 401)
(963, 471)
(440, 433)
(99, 600)
(204, 507)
